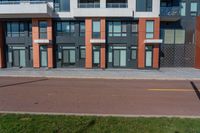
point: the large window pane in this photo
(179, 36)
(169, 36)
(149, 29)
(43, 29)
(123, 58)
(183, 8)
(143, 5)
(193, 8)
(96, 28)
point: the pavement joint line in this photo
(91, 77)
(172, 90)
(100, 115)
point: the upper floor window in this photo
(134, 27)
(65, 28)
(43, 29)
(144, 5)
(117, 29)
(30, 29)
(82, 29)
(183, 8)
(193, 8)
(62, 5)
(15, 29)
(149, 29)
(96, 29)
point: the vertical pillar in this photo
(2, 58)
(36, 46)
(88, 45)
(156, 49)
(197, 48)
(141, 45)
(103, 46)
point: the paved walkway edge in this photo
(98, 115)
(117, 78)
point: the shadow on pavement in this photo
(195, 89)
(21, 83)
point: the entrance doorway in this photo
(43, 56)
(96, 53)
(149, 56)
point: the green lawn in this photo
(81, 124)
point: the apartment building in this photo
(136, 34)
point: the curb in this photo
(98, 115)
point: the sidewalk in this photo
(162, 74)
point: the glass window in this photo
(15, 29)
(193, 8)
(110, 54)
(134, 28)
(169, 36)
(96, 28)
(62, 5)
(133, 53)
(65, 28)
(172, 36)
(183, 8)
(82, 52)
(43, 29)
(117, 29)
(149, 29)
(82, 28)
(143, 5)
(30, 29)
(179, 36)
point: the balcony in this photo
(116, 5)
(170, 13)
(89, 5)
(28, 9)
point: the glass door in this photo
(19, 57)
(149, 57)
(68, 56)
(96, 56)
(43, 56)
(119, 57)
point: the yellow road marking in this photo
(173, 90)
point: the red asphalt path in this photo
(98, 96)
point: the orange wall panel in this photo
(88, 27)
(36, 47)
(141, 45)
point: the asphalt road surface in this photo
(98, 96)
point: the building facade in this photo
(136, 34)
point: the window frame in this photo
(43, 30)
(96, 34)
(63, 31)
(121, 33)
(150, 32)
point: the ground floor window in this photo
(82, 52)
(117, 55)
(18, 56)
